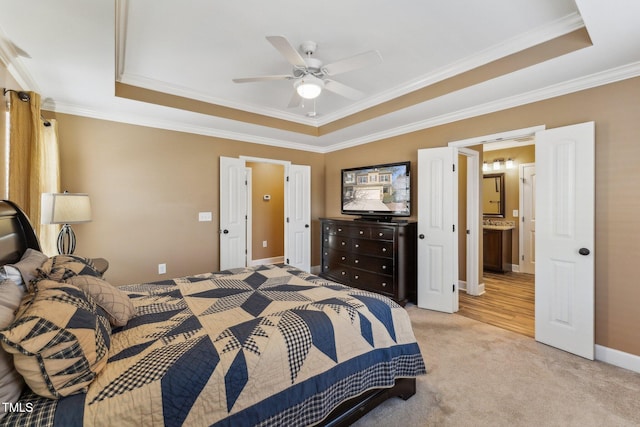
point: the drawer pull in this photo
(357, 277)
(344, 272)
(326, 253)
(343, 258)
(380, 234)
(343, 243)
(384, 267)
(357, 261)
(384, 249)
(357, 245)
(384, 285)
(339, 229)
(361, 232)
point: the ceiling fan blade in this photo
(361, 60)
(263, 78)
(343, 90)
(287, 50)
(295, 101)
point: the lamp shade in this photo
(65, 208)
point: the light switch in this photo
(515, 213)
(205, 216)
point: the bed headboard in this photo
(16, 233)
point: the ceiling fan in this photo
(310, 76)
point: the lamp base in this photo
(66, 240)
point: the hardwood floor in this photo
(508, 302)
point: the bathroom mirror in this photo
(493, 195)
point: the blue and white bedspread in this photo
(267, 345)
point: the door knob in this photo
(421, 236)
(225, 231)
(584, 251)
(306, 226)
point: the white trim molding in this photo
(618, 358)
(274, 260)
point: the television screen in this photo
(377, 191)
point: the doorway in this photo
(266, 216)
(235, 213)
(506, 296)
(565, 233)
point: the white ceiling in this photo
(73, 51)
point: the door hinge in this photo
(454, 288)
(287, 220)
(454, 167)
(287, 260)
(454, 228)
(287, 179)
(523, 257)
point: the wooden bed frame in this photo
(17, 235)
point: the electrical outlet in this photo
(162, 268)
(264, 243)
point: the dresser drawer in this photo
(372, 247)
(332, 258)
(383, 233)
(372, 282)
(338, 242)
(373, 264)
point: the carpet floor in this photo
(481, 375)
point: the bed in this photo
(266, 345)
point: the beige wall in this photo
(148, 185)
(268, 215)
(615, 108)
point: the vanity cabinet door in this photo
(492, 250)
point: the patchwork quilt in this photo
(267, 345)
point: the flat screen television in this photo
(380, 192)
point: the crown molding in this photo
(594, 80)
(10, 58)
(146, 121)
(516, 44)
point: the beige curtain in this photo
(33, 163)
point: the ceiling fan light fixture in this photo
(309, 86)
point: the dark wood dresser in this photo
(371, 255)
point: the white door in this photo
(528, 218)
(233, 213)
(297, 248)
(565, 252)
(437, 229)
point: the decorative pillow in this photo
(59, 340)
(11, 382)
(116, 303)
(61, 267)
(29, 264)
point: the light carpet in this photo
(481, 375)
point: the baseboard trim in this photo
(315, 269)
(273, 260)
(618, 358)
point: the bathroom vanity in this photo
(497, 247)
